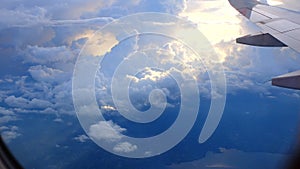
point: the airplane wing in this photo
(279, 28)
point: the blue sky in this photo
(41, 40)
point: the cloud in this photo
(124, 147)
(108, 108)
(50, 75)
(149, 75)
(58, 120)
(22, 17)
(38, 103)
(174, 6)
(7, 118)
(28, 104)
(49, 110)
(7, 115)
(106, 130)
(217, 20)
(37, 96)
(17, 38)
(67, 9)
(48, 80)
(250, 67)
(3, 128)
(4, 111)
(47, 55)
(63, 98)
(100, 44)
(16, 101)
(76, 9)
(81, 138)
(47, 38)
(9, 133)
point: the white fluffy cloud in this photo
(7, 115)
(4, 111)
(29, 104)
(9, 133)
(22, 17)
(7, 118)
(106, 130)
(50, 75)
(70, 9)
(174, 6)
(47, 55)
(124, 147)
(67, 9)
(108, 108)
(81, 138)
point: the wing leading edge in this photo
(280, 28)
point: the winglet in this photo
(265, 40)
(289, 80)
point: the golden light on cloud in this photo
(215, 19)
(218, 22)
(100, 44)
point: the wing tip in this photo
(289, 80)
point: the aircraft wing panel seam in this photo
(264, 14)
(282, 25)
(292, 37)
(291, 31)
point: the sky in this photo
(40, 42)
